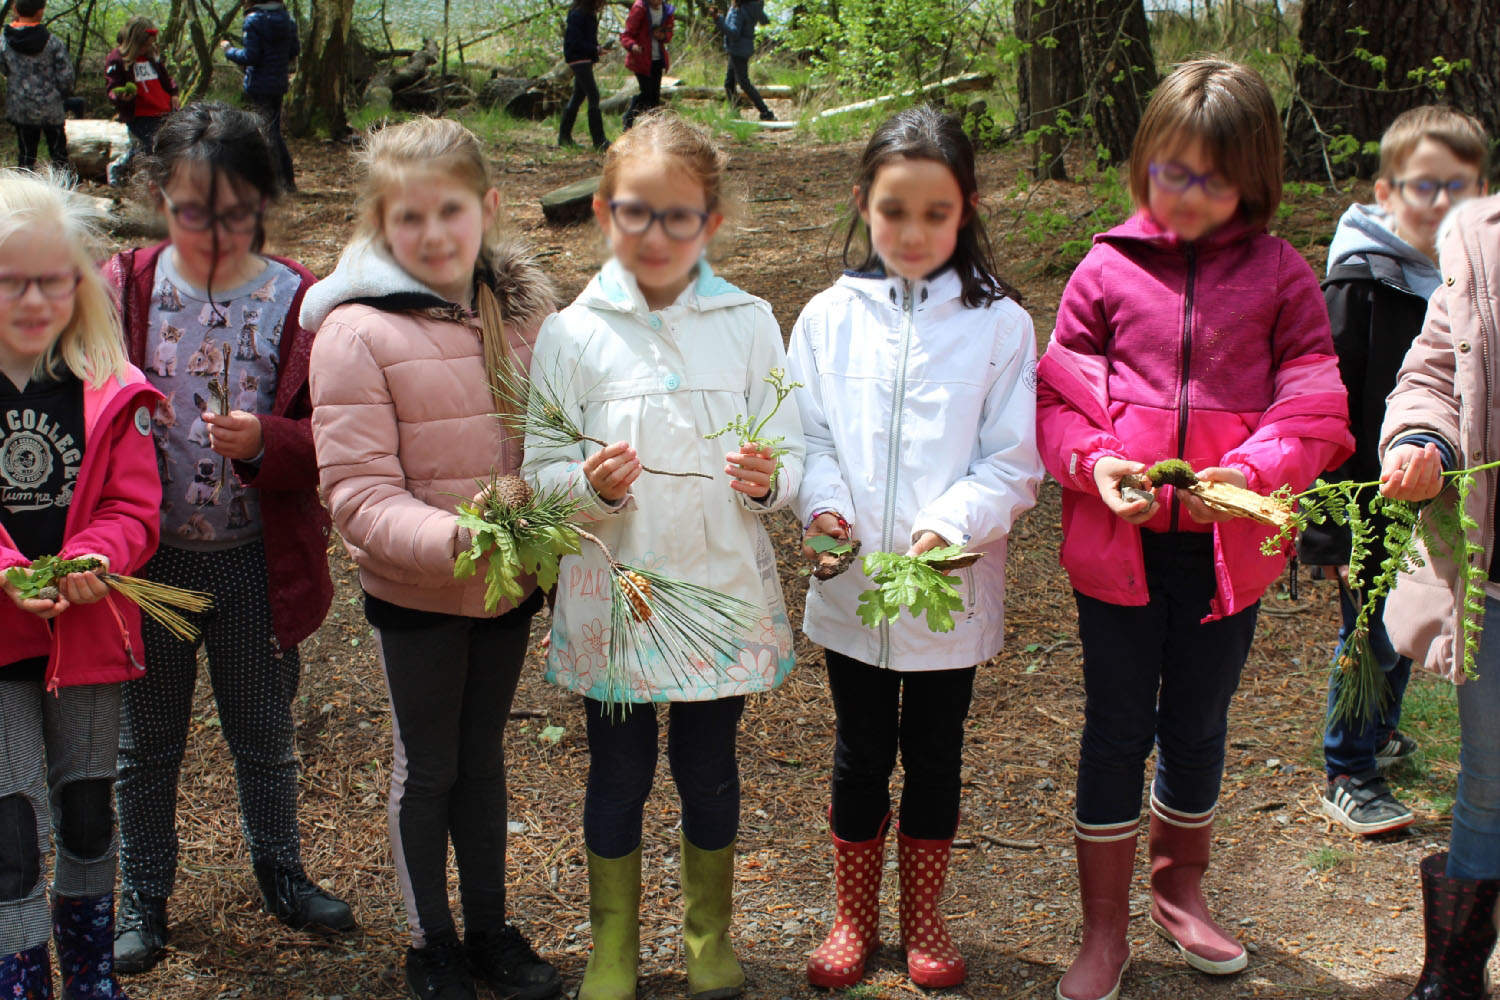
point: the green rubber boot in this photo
(615, 922)
(707, 890)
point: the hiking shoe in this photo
(140, 932)
(1363, 804)
(768, 116)
(1395, 748)
(299, 902)
(505, 961)
(439, 970)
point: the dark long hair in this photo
(923, 132)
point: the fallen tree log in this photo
(571, 203)
(93, 143)
(956, 84)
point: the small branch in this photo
(647, 468)
(1017, 845)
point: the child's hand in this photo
(1411, 473)
(38, 606)
(926, 541)
(611, 470)
(751, 470)
(1108, 472)
(235, 434)
(827, 523)
(83, 588)
(1200, 511)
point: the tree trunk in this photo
(321, 76)
(1051, 65)
(1372, 59)
(1121, 72)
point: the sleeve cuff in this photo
(1445, 450)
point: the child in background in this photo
(424, 305)
(1187, 332)
(269, 56)
(79, 481)
(581, 51)
(1381, 271)
(920, 424)
(654, 354)
(648, 29)
(738, 28)
(139, 86)
(39, 77)
(206, 304)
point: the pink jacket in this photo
(404, 422)
(1217, 352)
(116, 514)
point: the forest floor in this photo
(1324, 913)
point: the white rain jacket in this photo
(661, 380)
(920, 415)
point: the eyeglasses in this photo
(1420, 192)
(1176, 178)
(196, 219)
(678, 222)
(56, 285)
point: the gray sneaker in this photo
(1363, 804)
(1395, 748)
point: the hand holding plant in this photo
(612, 470)
(748, 429)
(752, 469)
(1412, 473)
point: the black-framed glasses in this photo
(1176, 178)
(196, 218)
(1422, 192)
(679, 222)
(54, 285)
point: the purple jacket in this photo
(1215, 351)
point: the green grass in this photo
(1326, 858)
(1429, 714)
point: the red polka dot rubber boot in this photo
(26, 975)
(855, 935)
(1106, 862)
(1180, 846)
(931, 958)
(1458, 917)
(84, 931)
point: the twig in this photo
(644, 467)
(1019, 845)
(529, 713)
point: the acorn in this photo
(638, 592)
(512, 492)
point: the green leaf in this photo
(827, 543)
(551, 734)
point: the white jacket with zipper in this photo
(919, 415)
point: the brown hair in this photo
(138, 34)
(665, 134)
(1229, 109)
(1461, 133)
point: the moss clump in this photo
(1173, 472)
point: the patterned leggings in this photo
(254, 683)
(57, 762)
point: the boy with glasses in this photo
(1381, 270)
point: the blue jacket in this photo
(270, 47)
(739, 26)
(581, 36)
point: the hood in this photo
(27, 40)
(1367, 230)
(878, 286)
(1142, 228)
(366, 272)
(615, 289)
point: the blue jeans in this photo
(1350, 749)
(1474, 846)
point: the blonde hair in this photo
(1229, 109)
(1461, 133)
(90, 346)
(663, 133)
(137, 37)
(391, 156)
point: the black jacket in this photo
(1375, 317)
(581, 35)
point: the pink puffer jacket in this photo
(404, 422)
(1217, 352)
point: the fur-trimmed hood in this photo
(367, 273)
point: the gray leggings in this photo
(57, 771)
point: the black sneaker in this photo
(505, 961)
(140, 932)
(300, 903)
(1363, 804)
(1395, 748)
(768, 116)
(439, 971)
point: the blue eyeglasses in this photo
(679, 222)
(1421, 192)
(1176, 178)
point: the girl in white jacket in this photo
(656, 353)
(918, 406)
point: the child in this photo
(738, 28)
(1187, 332)
(1440, 416)
(654, 354)
(1381, 271)
(241, 510)
(920, 419)
(269, 56)
(79, 480)
(40, 76)
(648, 29)
(422, 307)
(140, 88)
(581, 51)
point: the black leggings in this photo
(28, 141)
(650, 95)
(269, 108)
(622, 767)
(584, 89)
(737, 71)
(922, 713)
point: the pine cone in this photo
(638, 592)
(512, 491)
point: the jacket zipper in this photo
(1187, 358)
(893, 453)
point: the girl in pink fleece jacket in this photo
(1187, 332)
